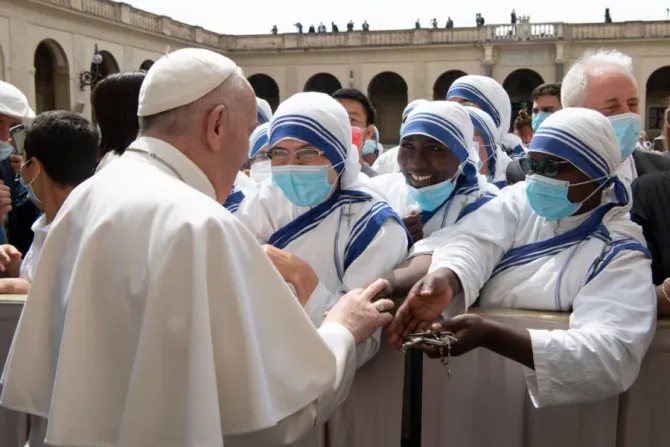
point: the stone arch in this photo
(324, 83)
(108, 66)
(146, 65)
(52, 77)
(265, 87)
(519, 85)
(388, 93)
(442, 83)
(656, 101)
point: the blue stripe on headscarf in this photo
(259, 140)
(303, 128)
(470, 93)
(557, 142)
(440, 129)
(407, 111)
(260, 116)
(483, 129)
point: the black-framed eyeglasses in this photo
(307, 155)
(547, 168)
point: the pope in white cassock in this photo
(560, 241)
(326, 232)
(438, 184)
(155, 318)
(387, 163)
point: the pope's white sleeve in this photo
(611, 326)
(341, 343)
(476, 244)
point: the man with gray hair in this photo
(154, 317)
(604, 81)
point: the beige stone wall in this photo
(73, 27)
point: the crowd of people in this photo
(206, 269)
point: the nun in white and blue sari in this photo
(487, 145)
(263, 111)
(438, 179)
(316, 210)
(259, 169)
(488, 95)
(561, 241)
(387, 162)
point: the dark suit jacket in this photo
(650, 162)
(24, 213)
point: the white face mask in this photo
(261, 171)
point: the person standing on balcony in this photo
(366, 26)
(417, 25)
(513, 18)
(350, 25)
(334, 27)
(434, 22)
(274, 29)
(450, 23)
(299, 26)
(608, 17)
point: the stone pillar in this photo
(560, 61)
(488, 60)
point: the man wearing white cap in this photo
(143, 325)
(14, 110)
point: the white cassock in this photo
(350, 238)
(593, 265)
(471, 189)
(155, 319)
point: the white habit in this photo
(154, 317)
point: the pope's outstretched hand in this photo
(358, 314)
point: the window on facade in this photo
(656, 117)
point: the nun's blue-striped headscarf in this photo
(258, 139)
(316, 119)
(586, 139)
(492, 98)
(483, 122)
(408, 109)
(263, 111)
(448, 123)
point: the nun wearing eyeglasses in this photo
(324, 231)
(488, 95)
(387, 163)
(438, 184)
(564, 242)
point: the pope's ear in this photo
(216, 127)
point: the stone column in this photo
(560, 61)
(488, 60)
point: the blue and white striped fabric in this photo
(492, 98)
(318, 120)
(258, 139)
(408, 109)
(446, 122)
(586, 139)
(483, 123)
(263, 111)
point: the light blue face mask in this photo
(549, 197)
(538, 118)
(627, 128)
(432, 197)
(28, 186)
(6, 150)
(303, 185)
(369, 147)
